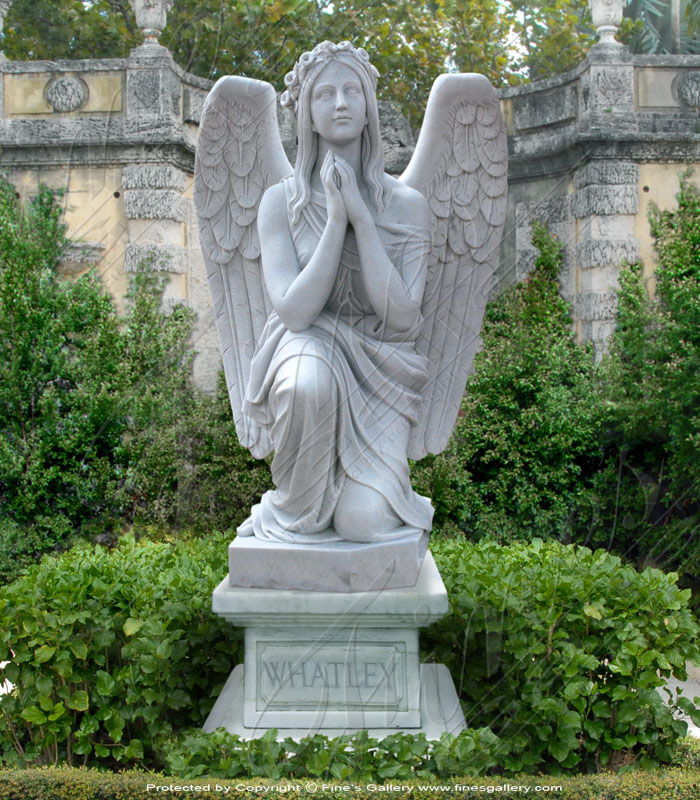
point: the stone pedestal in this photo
(336, 662)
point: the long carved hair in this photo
(299, 84)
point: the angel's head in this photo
(300, 84)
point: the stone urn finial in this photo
(151, 17)
(607, 16)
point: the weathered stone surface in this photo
(606, 173)
(154, 204)
(155, 258)
(655, 88)
(66, 94)
(612, 88)
(605, 200)
(596, 305)
(79, 255)
(192, 104)
(155, 176)
(687, 89)
(601, 252)
(545, 108)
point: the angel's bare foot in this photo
(246, 528)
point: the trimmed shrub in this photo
(560, 650)
(108, 650)
(77, 784)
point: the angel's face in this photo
(338, 105)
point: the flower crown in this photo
(324, 52)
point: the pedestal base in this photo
(336, 661)
(440, 710)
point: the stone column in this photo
(605, 198)
(155, 210)
(605, 203)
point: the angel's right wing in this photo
(239, 155)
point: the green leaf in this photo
(34, 715)
(132, 626)
(58, 711)
(79, 649)
(44, 653)
(559, 750)
(79, 701)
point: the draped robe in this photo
(339, 397)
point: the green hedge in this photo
(109, 649)
(67, 784)
(559, 651)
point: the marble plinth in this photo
(330, 567)
(336, 661)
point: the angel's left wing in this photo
(239, 154)
(460, 165)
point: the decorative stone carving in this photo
(607, 16)
(66, 94)
(147, 204)
(151, 18)
(154, 176)
(80, 255)
(145, 88)
(155, 258)
(688, 89)
(371, 349)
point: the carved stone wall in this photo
(588, 151)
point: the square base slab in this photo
(440, 710)
(330, 567)
(416, 606)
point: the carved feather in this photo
(239, 155)
(460, 165)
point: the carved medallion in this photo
(688, 89)
(145, 86)
(66, 94)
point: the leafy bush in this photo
(358, 757)
(100, 423)
(109, 650)
(58, 430)
(648, 497)
(644, 502)
(527, 440)
(559, 650)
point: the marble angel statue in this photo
(348, 303)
